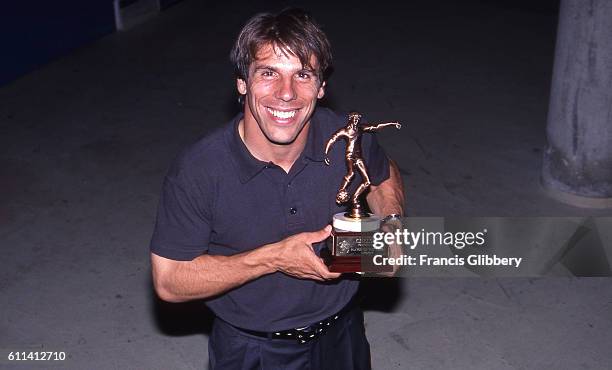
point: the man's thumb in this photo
(317, 236)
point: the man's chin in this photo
(282, 138)
(282, 141)
(283, 135)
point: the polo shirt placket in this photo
(288, 186)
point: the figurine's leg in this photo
(350, 173)
(366, 180)
(343, 195)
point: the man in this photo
(244, 210)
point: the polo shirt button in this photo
(293, 210)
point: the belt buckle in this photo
(306, 334)
(310, 332)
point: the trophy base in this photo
(344, 264)
(351, 245)
(357, 265)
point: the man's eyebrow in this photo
(264, 66)
(268, 67)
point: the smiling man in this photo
(244, 211)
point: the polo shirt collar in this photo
(315, 145)
(248, 166)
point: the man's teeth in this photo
(281, 114)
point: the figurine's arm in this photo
(331, 142)
(372, 128)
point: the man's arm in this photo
(208, 275)
(388, 197)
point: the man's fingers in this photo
(313, 269)
(323, 270)
(311, 277)
(312, 274)
(332, 275)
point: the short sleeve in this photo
(375, 158)
(182, 230)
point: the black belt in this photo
(307, 333)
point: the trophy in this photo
(350, 248)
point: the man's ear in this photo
(321, 92)
(241, 86)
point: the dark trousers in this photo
(343, 346)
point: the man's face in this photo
(281, 94)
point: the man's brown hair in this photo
(291, 31)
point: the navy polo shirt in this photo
(219, 199)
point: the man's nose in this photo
(286, 90)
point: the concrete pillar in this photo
(578, 160)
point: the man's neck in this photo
(261, 148)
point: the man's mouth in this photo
(282, 114)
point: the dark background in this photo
(91, 118)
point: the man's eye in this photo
(267, 73)
(304, 75)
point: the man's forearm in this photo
(207, 275)
(388, 197)
(210, 275)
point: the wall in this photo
(34, 32)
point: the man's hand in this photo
(327, 161)
(295, 256)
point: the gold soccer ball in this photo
(342, 197)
